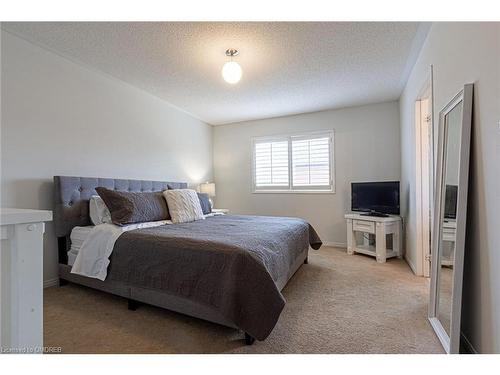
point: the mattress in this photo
(77, 237)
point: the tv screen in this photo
(381, 197)
(450, 202)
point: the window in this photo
(294, 163)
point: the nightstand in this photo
(220, 211)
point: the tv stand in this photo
(374, 213)
(378, 226)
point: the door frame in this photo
(424, 177)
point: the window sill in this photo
(293, 192)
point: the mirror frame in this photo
(451, 343)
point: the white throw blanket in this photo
(93, 257)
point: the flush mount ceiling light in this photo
(231, 71)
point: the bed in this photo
(227, 269)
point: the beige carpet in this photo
(335, 304)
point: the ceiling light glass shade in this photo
(231, 72)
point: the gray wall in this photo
(60, 118)
(366, 148)
(463, 53)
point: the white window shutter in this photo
(271, 164)
(311, 162)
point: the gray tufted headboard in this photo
(72, 194)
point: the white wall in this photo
(60, 118)
(463, 53)
(366, 148)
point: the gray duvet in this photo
(230, 263)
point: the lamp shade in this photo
(208, 188)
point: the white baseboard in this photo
(50, 282)
(335, 244)
(466, 344)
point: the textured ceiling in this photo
(288, 68)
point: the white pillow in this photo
(183, 205)
(98, 211)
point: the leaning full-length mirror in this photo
(450, 212)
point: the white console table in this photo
(21, 279)
(449, 235)
(378, 226)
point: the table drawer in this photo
(449, 234)
(363, 226)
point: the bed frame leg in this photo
(306, 261)
(249, 340)
(63, 282)
(132, 305)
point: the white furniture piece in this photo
(378, 226)
(449, 235)
(21, 279)
(220, 211)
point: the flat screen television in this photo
(450, 202)
(375, 197)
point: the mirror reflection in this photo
(452, 123)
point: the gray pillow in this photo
(206, 207)
(134, 207)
